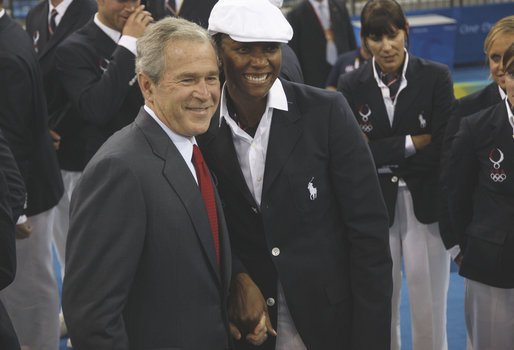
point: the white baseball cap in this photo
(250, 21)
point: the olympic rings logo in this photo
(366, 127)
(498, 177)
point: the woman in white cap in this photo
(308, 226)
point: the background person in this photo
(402, 104)
(481, 201)
(306, 219)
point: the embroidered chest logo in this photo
(35, 39)
(364, 123)
(497, 174)
(422, 120)
(313, 191)
(104, 62)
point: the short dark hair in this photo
(382, 17)
(507, 57)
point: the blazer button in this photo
(270, 301)
(275, 251)
(254, 209)
(394, 179)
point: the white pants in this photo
(427, 271)
(62, 215)
(489, 316)
(288, 337)
(32, 300)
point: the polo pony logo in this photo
(422, 121)
(313, 191)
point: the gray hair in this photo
(152, 45)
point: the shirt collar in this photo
(502, 93)
(375, 73)
(111, 33)
(2, 13)
(61, 8)
(183, 144)
(276, 99)
(510, 115)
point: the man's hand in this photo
(56, 139)
(23, 230)
(421, 141)
(247, 311)
(137, 22)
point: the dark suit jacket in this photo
(481, 202)
(100, 81)
(12, 198)
(23, 118)
(334, 262)
(141, 268)
(309, 41)
(77, 15)
(197, 11)
(424, 106)
(464, 106)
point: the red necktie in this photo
(205, 184)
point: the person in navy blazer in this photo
(12, 200)
(481, 201)
(404, 120)
(307, 223)
(32, 300)
(141, 268)
(497, 41)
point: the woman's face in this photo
(388, 50)
(495, 56)
(250, 68)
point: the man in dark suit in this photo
(307, 223)
(12, 199)
(49, 23)
(148, 259)
(32, 300)
(193, 10)
(322, 32)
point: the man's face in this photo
(187, 95)
(495, 56)
(509, 81)
(250, 68)
(114, 13)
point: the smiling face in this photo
(495, 57)
(388, 49)
(114, 13)
(188, 92)
(250, 68)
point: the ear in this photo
(147, 87)
(407, 28)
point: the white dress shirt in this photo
(183, 144)
(61, 10)
(322, 11)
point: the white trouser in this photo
(288, 337)
(32, 300)
(427, 271)
(62, 215)
(489, 316)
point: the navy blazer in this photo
(141, 267)
(480, 184)
(424, 106)
(12, 198)
(100, 81)
(77, 15)
(309, 41)
(197, 11)
(23, 118)
(321, 228)
(465, 106)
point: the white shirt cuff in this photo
(410, 150)
(454, 251)
(22, 219)
(128, 42)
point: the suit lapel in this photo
(40, 32)
(64, 27)
(285, 132)
(178, 175)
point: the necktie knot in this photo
(52, 24)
